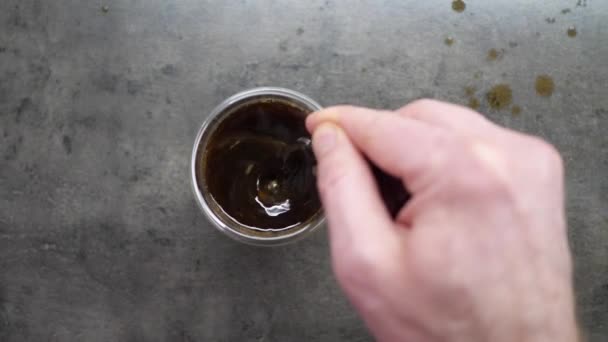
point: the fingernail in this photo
(324, 139)
(309, 122)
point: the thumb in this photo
(355, 212)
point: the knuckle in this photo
(445, 146)
(550, 154)
(418, 108)
(485, 184)
(340, 109)
(479, 177)
(421, 105)
(491, 186)
(442, 140)
(547, 157)
(346, 108)
(375, 126)
(445, 151)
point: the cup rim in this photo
(200, 198)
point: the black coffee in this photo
(259, 168)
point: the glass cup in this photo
(214, 212)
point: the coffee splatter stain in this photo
(500, 96)
(473, 103)
(513, 44)
(516, 110)
(550, 20)
(469, 91)
(571, 32)
(300, 31)
(544, 85)
(493, 54)
(458, 6)
(581, 3)
(449, 41)
(566, 11)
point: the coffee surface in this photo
(259, 167)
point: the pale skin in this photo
(480, 253)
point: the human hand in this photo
(479, 253)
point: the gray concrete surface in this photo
(100, 238)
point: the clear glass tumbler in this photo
(216, 215)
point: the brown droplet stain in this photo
(500, 96)
(474, 103)
(469, 91)
(550, 20)
(544, 85)
(449, 41)
(566, 11)
(516, 110)
(492, 54)
(495, 54)
(572, 32)
(458, 6)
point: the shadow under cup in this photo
(253, 171)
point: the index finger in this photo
(410, 149)
(354, 209)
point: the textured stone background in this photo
(100, 238)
